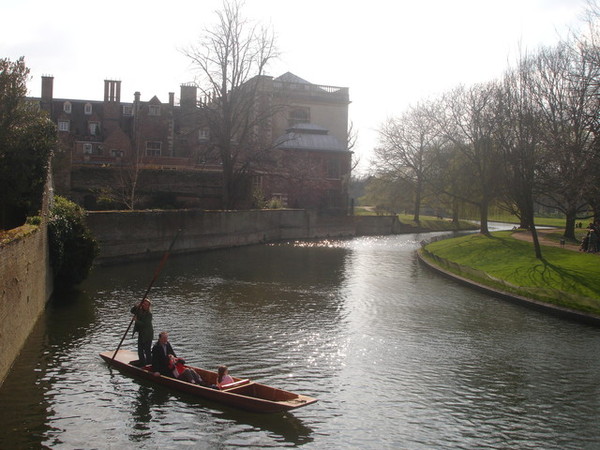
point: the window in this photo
(333, 169)
(87, 109)
(203, 134)
(94, 128)
(299, 115)
(154, 110)
(153, 148)
(67, 107)
(63, 125)
(333, 199)
(127, 110)
(87, 149)
(116, 153)
(257, 183)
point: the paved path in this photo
(544, 240)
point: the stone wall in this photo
(382, 225)
(130, 235)
(25, 287)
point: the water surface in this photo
(397, 355)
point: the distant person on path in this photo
(592, 246)
(143, 326)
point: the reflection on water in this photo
(397, 356)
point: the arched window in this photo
(67, 107)
(87, 109)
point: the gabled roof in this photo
(289, 77)
(308, 136)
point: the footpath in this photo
(524, 235)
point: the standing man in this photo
(143, 326)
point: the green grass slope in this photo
(564, 277)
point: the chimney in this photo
(47, 87)
(112, 91)
(188, 95)
(171, 99)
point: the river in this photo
(398, 356)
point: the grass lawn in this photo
(563, 277)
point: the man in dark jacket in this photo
(143, 326)
(160, 355)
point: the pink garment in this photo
(226, 380)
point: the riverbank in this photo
(564, 282)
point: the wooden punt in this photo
(243, 393)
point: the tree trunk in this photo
(483, 218)
(570, 226)
(536, 242)
(417, 217)
(529, 221)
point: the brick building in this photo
(160, 153)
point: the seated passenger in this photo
(223, 377)
(161, 355)
(183, 373)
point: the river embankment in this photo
(125, 236)
(563, 283)
(26, 283)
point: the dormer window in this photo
(154, 110)
(87, 109)
(67, 107)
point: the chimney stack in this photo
(47, 87)
(112, 91)
(189, 93)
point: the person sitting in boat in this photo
(183, 373)
(143, 326)
(161, 361)
(223, 377)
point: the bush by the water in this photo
(72, 246)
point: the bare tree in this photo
(519, 139)
(466, 118)
(402, 153)
(565, 92)
(230, 60)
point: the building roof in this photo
(289, 77)
(308, 136)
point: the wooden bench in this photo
(235, 384)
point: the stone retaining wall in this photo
(130, 235)
(25, 287)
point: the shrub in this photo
(72, 246)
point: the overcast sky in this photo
(390, 53)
